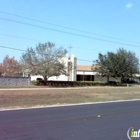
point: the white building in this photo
(78, 73)
(72, 71)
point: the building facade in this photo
(70, 64)
(77, 73)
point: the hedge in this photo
(40, 82)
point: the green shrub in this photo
(66, 83)
(89, 83)
(35, 82)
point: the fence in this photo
(15, 81)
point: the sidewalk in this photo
(49, 88)
(53, 88)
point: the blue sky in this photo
(105, 21)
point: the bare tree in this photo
(45, 60)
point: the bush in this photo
(112, 83)
(39, 81)
(132, 82)
(88, 83)
(35, 82)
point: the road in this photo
(106, 121)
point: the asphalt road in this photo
(72, 122)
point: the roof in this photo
(83, 68)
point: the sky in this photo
(90, 27)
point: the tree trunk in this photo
(107, 79)
(45, 79)
(122, 79)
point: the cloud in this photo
(129, 5)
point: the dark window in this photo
(85, 77)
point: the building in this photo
(84, 73)
(77, 73)
(71, 72)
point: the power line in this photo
(11, 48)
(84, 60)
(65, 27)
(20, 37)
(70, 33)
(25, 50)
(44, 41)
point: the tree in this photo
(128, 64)
(9, 67)
(1, 70)
(105, 65)
(45, 60)
(122, 64)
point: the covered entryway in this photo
(85, 77)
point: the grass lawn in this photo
(34, 98)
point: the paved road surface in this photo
(71, 122)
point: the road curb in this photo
(66, 105)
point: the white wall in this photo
(74, 68)
(58, 78)
(34, 77)
(104, 79)
(71, 77)
(86, 73)
(53, 78)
